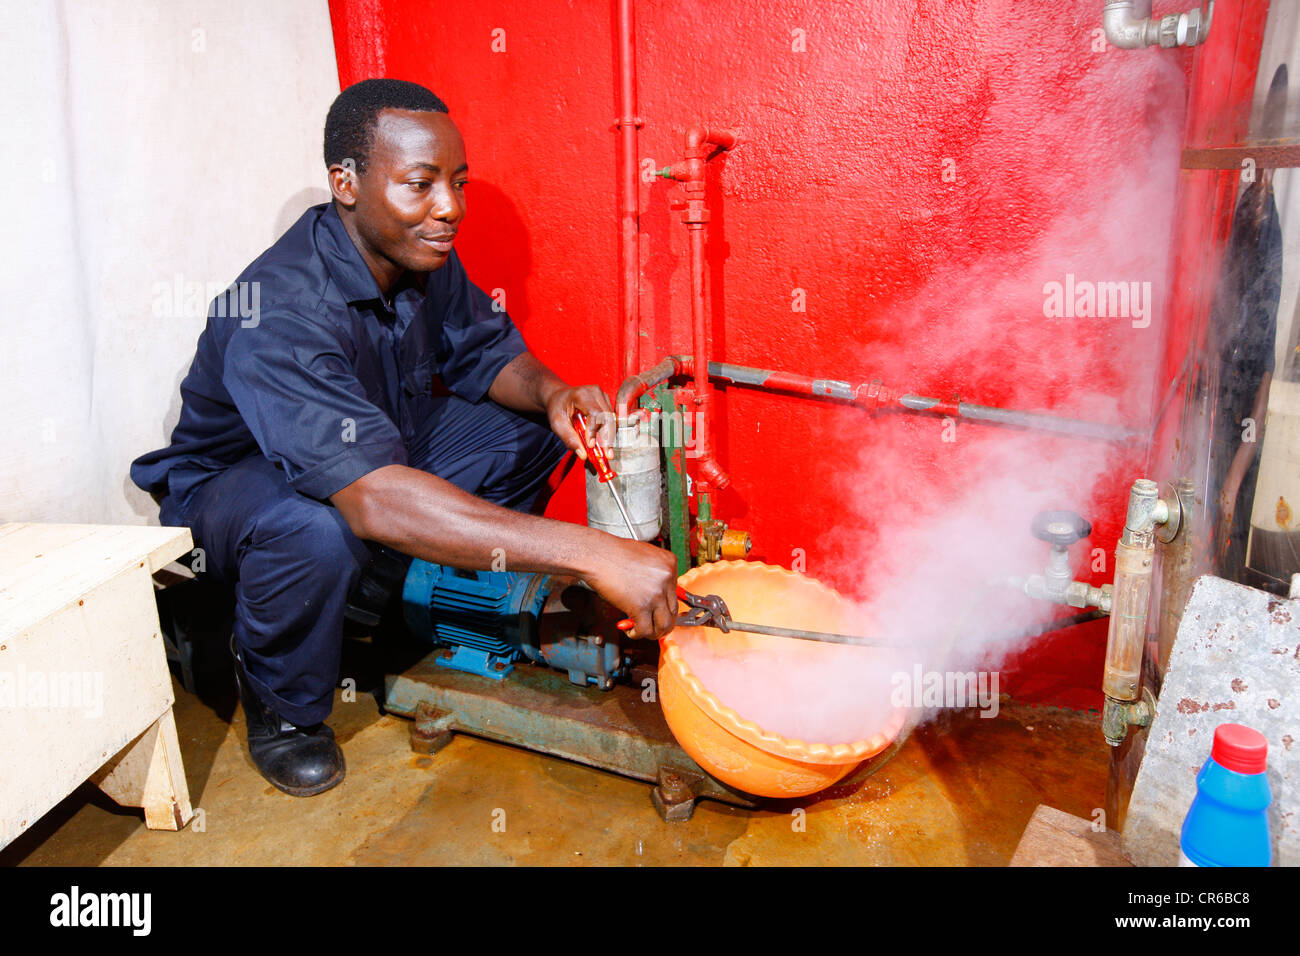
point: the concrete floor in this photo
(958, 792)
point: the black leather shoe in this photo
(301, 761)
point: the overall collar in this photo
(346, 267)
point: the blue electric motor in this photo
(488, 620)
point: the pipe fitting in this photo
(637, 385)
(1074, 593)
(1117, 716)
(1145, 511)
(711, 474)
(698, 137)
(1130, 26)
(1083, 594)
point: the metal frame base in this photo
(539, 709)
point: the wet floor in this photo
(959, 791)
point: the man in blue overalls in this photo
(311, 425)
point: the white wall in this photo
(142, 139)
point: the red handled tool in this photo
(709, 610)
(604, 472)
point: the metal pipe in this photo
(708, 473)
(701, 144)
(1130, 601)
(1074, 593)
(1037, 420)
(638, 384)
(629, 212)
(866, 395)
(1130, 26)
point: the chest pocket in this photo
(418, 381)
(423, 382)
(419, 358)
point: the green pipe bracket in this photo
(673, 443)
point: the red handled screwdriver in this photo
(603, 470)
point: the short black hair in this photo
(350, 125)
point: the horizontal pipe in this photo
(867, 395)
(782, 381)
(1038, 420)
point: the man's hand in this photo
(640, 580)
(593, 403)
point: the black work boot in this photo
(301, 761)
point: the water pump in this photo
(487, 621)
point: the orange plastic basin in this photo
(726, 743)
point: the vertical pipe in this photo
(629, 213)
(709, 474)
(1122, 676)
(700, 331)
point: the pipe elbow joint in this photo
(697, 137)
(712, 474)
(1128, 24)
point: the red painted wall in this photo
(1061, 158)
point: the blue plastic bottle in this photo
(1226, 824)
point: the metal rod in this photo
(1057, 624)
(822, 636)
(622, 509)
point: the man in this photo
(311, 425)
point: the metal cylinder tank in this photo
(635, 460)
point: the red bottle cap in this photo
(1240, 748)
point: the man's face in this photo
(411, 198)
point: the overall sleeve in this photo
(476, 338)
(292, 379)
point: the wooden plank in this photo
(148, 773)
(1056, 838)
(45, 568)
(1272, 156)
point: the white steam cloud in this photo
(940, 512)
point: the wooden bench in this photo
(85, 692)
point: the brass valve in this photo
(715, 541)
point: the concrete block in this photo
(1236, 659)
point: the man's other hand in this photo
(593, 403)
